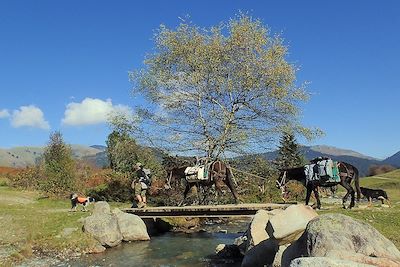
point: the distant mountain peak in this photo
(99, 147)
(331, 150)
(393, 160)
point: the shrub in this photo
(116, 187)
(28, 178)
(379, 169)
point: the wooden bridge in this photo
(208, 211)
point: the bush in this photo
(28, 178)
(3, 181)
(116, 187)
(295, 191)
(379, 169)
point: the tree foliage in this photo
(58, 166)
(289, 154)
(123, 153)
(229, 88)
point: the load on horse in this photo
(323, 172)
(204, 173)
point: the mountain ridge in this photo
(96, 154)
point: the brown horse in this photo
(347, 173)
(218, 175)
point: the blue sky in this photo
(59, 59)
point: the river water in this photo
(170, 249)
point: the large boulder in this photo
(263, 254)
(103, 225)
(289, 225)
(131, 226)
(342, 237)
(101, 207)
(324, 262)
(278, 257)
(256, 245)
(256, 232)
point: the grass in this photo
(385, 220)
(30, 224)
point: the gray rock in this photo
(101, 207)
(324, 262)
(342, 237)
(278, 257)
(98, 248)
(241, 243)
(263, 254)
(131, 226)
(339, 232)
(295, 250)
(104, 228)
(257, 232)
(288, 226)
(68, 231)
(219, 248)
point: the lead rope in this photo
(282, 185)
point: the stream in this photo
(170, 249)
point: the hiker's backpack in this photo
(147, 176)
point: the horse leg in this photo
(230, 183)
(204, 192)
(350, 191)
(218, 192)
(187, 188)
(233, 191)
(316, 194)
(353, 197)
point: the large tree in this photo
(228, 88)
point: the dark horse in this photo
(218, 174)
(347, 173)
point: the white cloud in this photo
(29, 116)
(4, 113)
(91, 111)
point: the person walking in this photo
(142, 182)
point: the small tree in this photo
(289, 154)
(58, 166)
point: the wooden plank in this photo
(205, 211)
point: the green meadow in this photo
(386, 220)
(32, 224)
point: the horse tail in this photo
(357, 183)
